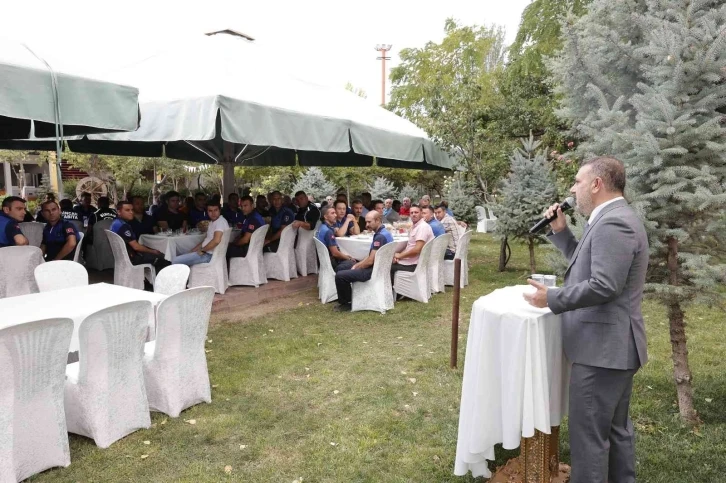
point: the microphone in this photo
(568, 204)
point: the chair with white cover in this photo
(17, 270)
(124, 272)
(281, 264)
(77, 250)
(376, 293)
(250, 270)
(105, 395)
(33, 359)
(481, 216)
(415, 285)
(213, 274)
(175, 364)
(33, 231)
(172, 279)
(305, 252)
(60, 274)
(100, 255)
(462, 252)
(436, 263)
(326, 276)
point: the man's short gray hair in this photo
(610, 170)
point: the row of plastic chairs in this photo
(110, 391)
(432, 274)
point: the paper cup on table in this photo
(550, 280)
(537, 277)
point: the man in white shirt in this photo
(202, 253)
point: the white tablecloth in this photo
(171, 246)
(515, 377)
(75, 303)
(359, 246)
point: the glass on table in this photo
(550, 280)
(537, 277)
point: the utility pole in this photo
(383, 48)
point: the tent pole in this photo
(228, 170)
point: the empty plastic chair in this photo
(213, 274)
(281, 265)
(376, 294)
(462, 252)
(33, 360)
(306, 258)
(33, 231)
(436, 263)
(105, 396)
(124, 272)
(60, 274)
(172, 279)
(326, 276)
(17, 270)
(100, 256)
(250, 270)
(175, 364)
(77, 250)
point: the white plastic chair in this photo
(481, 216)
(17, 270)
(305, 252)
(436, 263)
(77, 250)
(415, 285)
(376, 293)
(172, 279)
(462, 252)
(33, 231)
(281, 264)
(105, 396)
(326, 276)
(125, 273)
(33, 359)
(213, 274)
(175, 364)
(60, 274)
(100, 256)
(250, 270)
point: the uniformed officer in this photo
(198, 212)
(281, 216)
(142, 223)
(252, 221)
(104, 212)
(60, 237)
(308, 214)
(231, 211)
(352, 271)
(326, 234)
(85, 210)
(67, 211)
(13, 212)
(138, 253)
(345, 224)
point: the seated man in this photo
(60, 237)
(405, 207)
(104, 211)
(67, 211)
(377, 205)
(365, 197)
(251, 222)
(85, 210)
(281, 216)
(198, 212)
(450, 226)
(170, 217)
(142, 223)
(231, 211)
(344, 198)
(202, 253)
(138, 253)
(421, 232)
(387, 206)
(261, 206)
(445, 204)
(50, 196)
(326, 234)
(351, 271)
(424, 202)
(307, 214)
(393, 215)
(345, 224)
(13, 212)
(436, 226)
(357, 208)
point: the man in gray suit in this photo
(602, 325)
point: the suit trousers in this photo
(602, 437)
(345, 276)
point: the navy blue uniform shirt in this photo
(84, 216)
(327, 236)
(280, 218)
(9, 227)
(124, 230)
(339, 223)
(381, 237)
(252, 222)
(55, 236)
(195, 216)
(234, 218)
(143, 227)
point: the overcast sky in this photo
(331, 42)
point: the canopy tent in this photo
(37, 101)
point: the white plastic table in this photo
(515, 377)
(358, 246)
(76, 303)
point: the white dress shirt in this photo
(599, 208)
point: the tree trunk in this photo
(681, 369)
(532, 263)
(503, 258)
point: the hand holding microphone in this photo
(554, 217)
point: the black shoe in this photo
(342, 308)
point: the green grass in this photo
(275, 379)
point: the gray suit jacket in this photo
(600, 301)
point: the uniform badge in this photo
(376, 243)
(252, 227)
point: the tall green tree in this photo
(645, 81)
(449, 90)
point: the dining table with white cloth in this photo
(515, 377)
(172, 245)
(75, 303)
(358, 246)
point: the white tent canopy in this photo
(222, 98)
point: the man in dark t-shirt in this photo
(142, 223)
(169, 217)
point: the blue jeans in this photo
(192, 258)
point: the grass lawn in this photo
(312, 394)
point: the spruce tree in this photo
(313, 182)
(382, 188)
(529, 187)
(645, 81)
(462, 198)
(409, 192)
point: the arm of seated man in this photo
(409, 253)
(142, 248)
(68, 247)
(215, 241)
(243, 240)
(276, 236)
(337, 254)
(368, 262)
